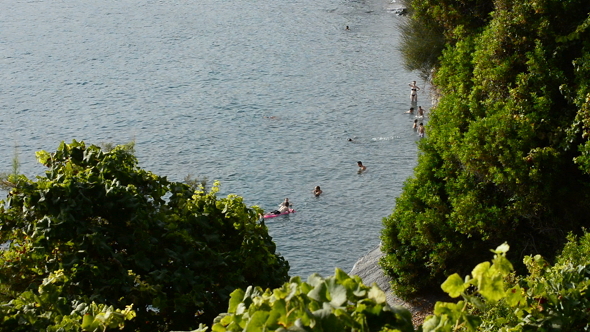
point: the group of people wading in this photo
(418, 127)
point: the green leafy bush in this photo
(124, 236)
(492, 298)
(337, 303)
(506, 157)
(434, 23)
(48, 309)
(549, 298)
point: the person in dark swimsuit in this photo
(414, 91)
(283, 207)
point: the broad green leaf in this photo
(280, 306)
(480, 271)
(341, 276)
(324, 312)
(319, 293)
(43, 157)
(315, 279)
(236, 298)
(376, 294)
(87, 321)
(345, 317)
(515, 297)
(358, 290)
(502, 264)
(436, 324)
(217, 327)
(332, 324)
(274, 317)
(225, 319)
(293, 287)
(454, 285)
(336, 293)
(257, 322)
(446, 308)
(492, 287)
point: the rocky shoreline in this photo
(368, 269)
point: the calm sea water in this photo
(260, 95)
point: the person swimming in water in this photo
(362, 167)
(317, 191)
(284, 207)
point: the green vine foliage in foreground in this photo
(48, 309)
(337, 303)
(549, 298)
(80, 267)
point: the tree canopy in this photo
(506, 153)
(98, 230)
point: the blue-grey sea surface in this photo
(260, 95)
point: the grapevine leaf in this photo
(514, 296)
(257, 322)
(336, 292)
(377, 294)
(492, 287)
(454, 285)
(502, 264)
(319, 293)
(236, 298)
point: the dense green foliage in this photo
(49, 309)
(433, 24)
(549, 298)
(338, 303)
(493, 298)
(506, 156)
(121, 236)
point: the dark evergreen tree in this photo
(506, 154)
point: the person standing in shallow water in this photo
(414, 92)
(421, 130)
(420, 111)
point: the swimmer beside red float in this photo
(284, 208)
